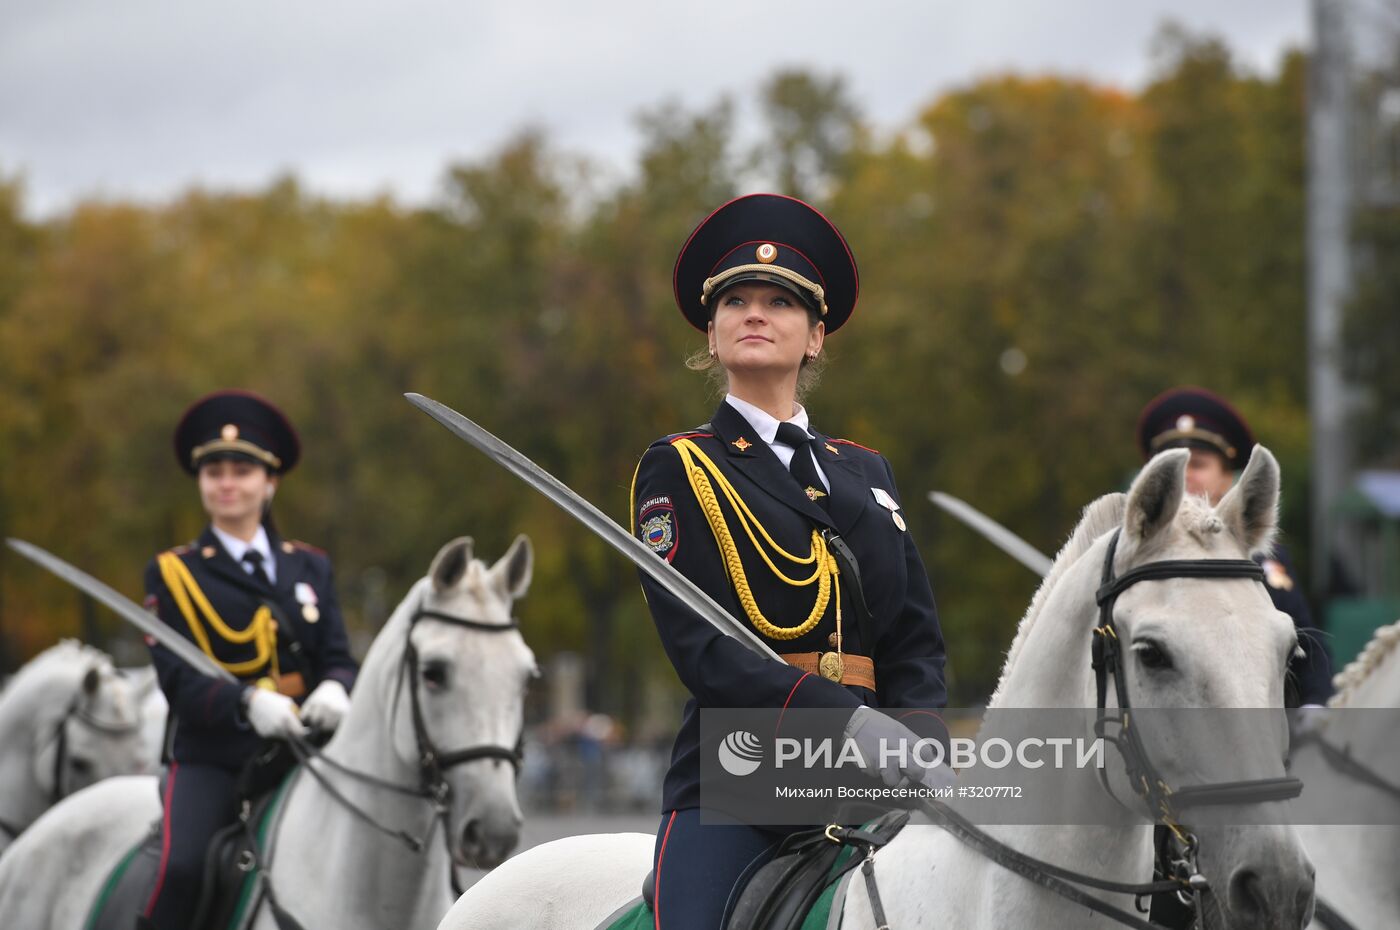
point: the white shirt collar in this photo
(763, 422)
(235, 547)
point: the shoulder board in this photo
(847, 442)
(185, 549)
(694, 434)
(297, 544)
(700, 432)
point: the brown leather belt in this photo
(856, 670)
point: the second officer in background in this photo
(262, 607)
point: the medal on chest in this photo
(306, 597)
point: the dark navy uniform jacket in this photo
(1310, 675)
(208, 722)
(907, 644)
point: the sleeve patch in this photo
(657, 526)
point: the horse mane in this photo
(29, 696)
(1350, 679)
(1098, 518)
(66, 653)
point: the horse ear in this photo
(1250, 508)
(450, 564)
(511, 574)
(1155, 495)
(91, 679)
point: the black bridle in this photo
(1164, 802)
(433, 762)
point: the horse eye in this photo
(1152, 655)
(435, 674)
(80, 766)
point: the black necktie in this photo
(254, 559)
(804, 466)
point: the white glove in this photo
(273, 715)
(326, 706)
(1308, 720)
(869, 728)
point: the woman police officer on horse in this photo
(749, 507)
(263, 608)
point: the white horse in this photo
(1358, 867)
(449, 656)
(154, 709)
(1212, 643)
(67, 719)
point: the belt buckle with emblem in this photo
(831, 666)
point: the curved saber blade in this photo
(595, 520)
(996, 534)
(126, 608)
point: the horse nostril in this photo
(1247, 897)
(471, 835)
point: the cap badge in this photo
(1185, 423)
(741, 444)
(229, 433)
(766, 253)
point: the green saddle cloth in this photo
(637, 916)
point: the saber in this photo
(124, 607)
(661, 571)
(995, 533)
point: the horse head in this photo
(1159, 582)
(1200, 635)
(86, 720)
(444, 687)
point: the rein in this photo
(1163, 801)
(1344, 762)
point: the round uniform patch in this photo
(658, 532)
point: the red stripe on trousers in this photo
(656, 889)
(165, 839)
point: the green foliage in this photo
(1039, 257)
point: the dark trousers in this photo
(697, 866)
(199, 800)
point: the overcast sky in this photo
(141, 98)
